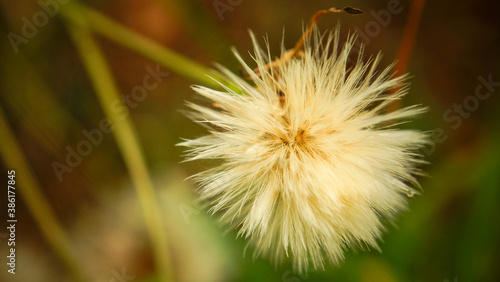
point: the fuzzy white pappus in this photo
(311, 163)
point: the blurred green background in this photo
(54, 86)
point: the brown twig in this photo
(296, 51)
(407, 43)
(409, 35)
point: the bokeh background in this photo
(450, 233)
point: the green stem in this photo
(204, 30)
(95, 21)
(128, 144)
(36, 202)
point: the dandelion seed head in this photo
(311, 163)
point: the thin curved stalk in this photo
(36, 202)
(409, 35)
(407, 43)
(128, 144)
(96, 22)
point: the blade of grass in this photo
(95, 21)
(36, 202)
(203, 30)
(128, 144)
(30, 102)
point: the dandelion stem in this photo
(36, 202)
(128, 144)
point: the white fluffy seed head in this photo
(311, 162)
